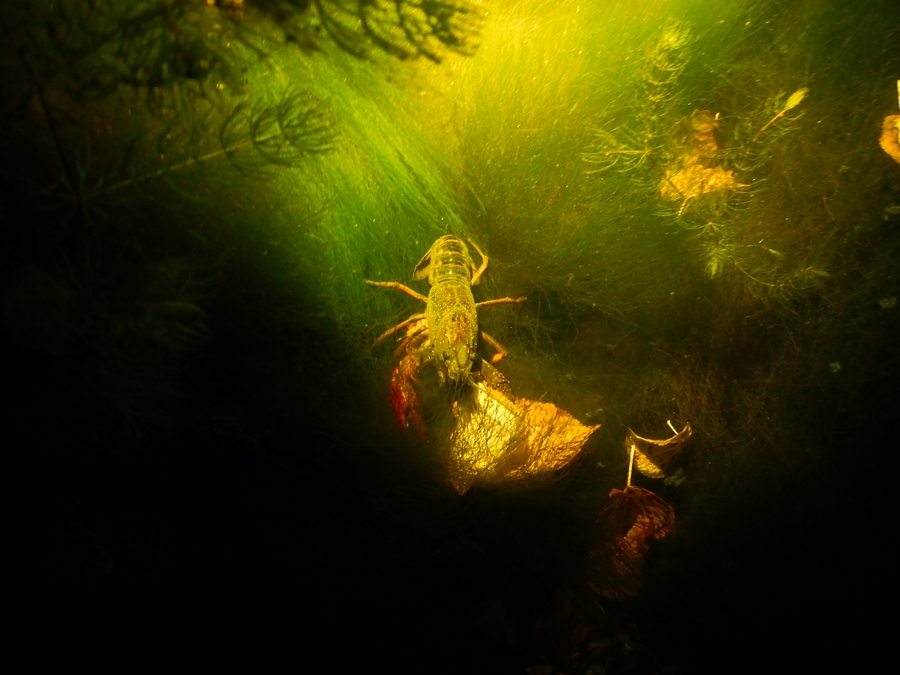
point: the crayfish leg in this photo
(399, 326)
(400, 287)
(476, 273)
(500, 349)
(501, 301)
(417, 331)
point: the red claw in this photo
(404, 397)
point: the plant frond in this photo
(404, 29)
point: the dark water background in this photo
(198, 428)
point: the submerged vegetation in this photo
(691, 195)
(694, 160)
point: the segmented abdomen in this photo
(451, 315)
(450, 261)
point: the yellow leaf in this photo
(795, 99)
(694, 180)
(552, 435)
(890, 136)
(652, 458)
(499, 436)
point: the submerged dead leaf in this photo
(486, 421)
(890, 136)
(703, 125)
(627, 522)
(693, 180)
(500, 436)
(652, 458)
(693, 174)
(552, 435)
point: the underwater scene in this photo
(464, 336)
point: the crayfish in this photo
(446, 333)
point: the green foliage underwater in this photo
(690, 193)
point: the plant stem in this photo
(768, 124)
(187, 163)
(750, 276)
(45, 113)
(630, 465)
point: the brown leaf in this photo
(694, 180)
(498, 436)
(693, 175)
(553, 437)
(890, 136)
(627, 522)
(703, 125)
(652, 458)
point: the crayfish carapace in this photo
(446, 333)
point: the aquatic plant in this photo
(676, 158)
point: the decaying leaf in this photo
(553, 437)
(694, 180)
(500, 436)
(890, 136)
(652, 458)
(703, 125)
(627, 522)
(693, 174)
(486, 421)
